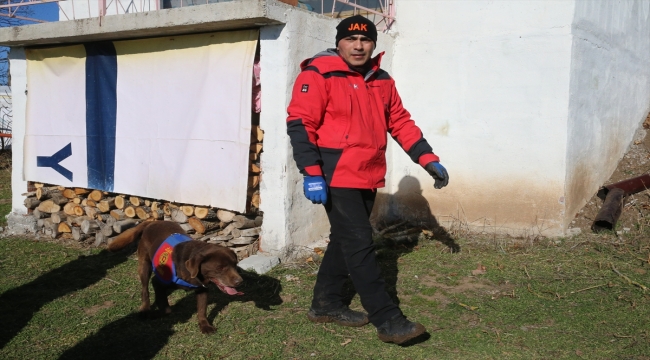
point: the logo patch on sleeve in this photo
(305, 88)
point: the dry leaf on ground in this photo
(480, 270)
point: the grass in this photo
(496, 298)
(552, 299)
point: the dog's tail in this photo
(133, 234)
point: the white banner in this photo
(165, 118)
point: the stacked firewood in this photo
(96, 216)
(254, 172)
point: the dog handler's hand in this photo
(315, 189)
(438, 173)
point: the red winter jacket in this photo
(338, 121)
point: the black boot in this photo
(399, 330)
(343, 316)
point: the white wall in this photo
(488, 83)
(290, 220)
(609, 92)
(81, 9)
(18, 67)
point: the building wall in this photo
(488, 83)
(609, 91)
(290, 220)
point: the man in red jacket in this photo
(342, 106)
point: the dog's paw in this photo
(207, 329)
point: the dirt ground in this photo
(634, 163)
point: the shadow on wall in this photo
(408, 204)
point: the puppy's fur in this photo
(196, 262)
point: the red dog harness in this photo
(163, 263)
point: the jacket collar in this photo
(329, 61)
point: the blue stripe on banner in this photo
(101, 114)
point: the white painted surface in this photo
(610, 91)
(18, 66)
(487, 82)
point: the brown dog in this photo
(194, 264)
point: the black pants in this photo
(352, 251)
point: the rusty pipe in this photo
(629, 186)
(610, 211)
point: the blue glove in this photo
(438, 173)
(315, 189)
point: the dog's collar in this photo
(163, 263)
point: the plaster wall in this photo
(488, 84)
(290, 220)
(18, 67)
(609, 92)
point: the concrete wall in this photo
(609, 92)
(18, 67)
(488, 83)
(290, 220)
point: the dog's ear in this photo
(193, 264)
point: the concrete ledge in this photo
(18, 224)
(260, 263)
(238, 14)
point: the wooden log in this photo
(255, 200)
(64, 228)
(205, 213)
(58, 199)
(243, 222)
(78, 235)
(37, 214)
(78, 220)
(68, 208)
(96, 195)
(124, 225)
(167, 208)
(121, 202)
(78, 210)
(256, 148)
(188, 210)
(147, 202)
(257, 135)
(38, 185)
(43, 193)
(48, 224)
(89, 226)
(225, 215)
(106, 205)
(118, 214)
(242, 240)
(84, 202)
(228, 229)
(187, 227)
(135, 201)
(143, 212)
(110, 221)
(178, 216)
(31, 203)
(48, 206)
(99, 239)
(60, 188)
(254, 168)
(157, 214)
(69, 193)
(202, 226)
(81, 191)
(59, 217)
(90, 211)
(253, 181)
(129, 211)
(213, 239)
(254, 157)
(106, 230)
(103, 217)
(155, 205)
(29, 194)
(246, 232)
(91, 203)
(77, 200)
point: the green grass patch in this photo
(553, 299)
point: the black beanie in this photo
(354, 25)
